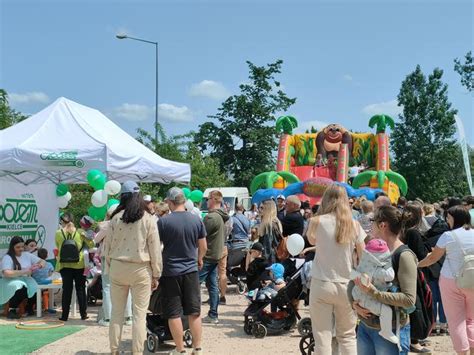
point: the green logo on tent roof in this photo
(19, 217)
(63, 159)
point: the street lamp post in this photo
(123, 36)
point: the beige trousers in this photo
(329, 305)
(126, 276)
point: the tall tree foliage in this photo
(8, 116)
(242, 135)
(425, 150)
(466, 71)
(205, 170)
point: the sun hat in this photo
(377, 246)
(129, 187)
(257, 246)
(281, 197)
(277, 269)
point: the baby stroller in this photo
(259, 322)
(157, 327)
(94, 290)
(236, 268)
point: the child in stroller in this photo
(259, 322)
(94, 275)
(157, 327)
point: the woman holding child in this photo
(387, 226)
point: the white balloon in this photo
(68, 196)
(295, 244)
(189, 205)
(62, 201)
(112, 209)
(99, 198)
(112, 187)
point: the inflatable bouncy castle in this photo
(308, 163)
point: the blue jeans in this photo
(369, 342)
(437, 303)
(208, 273)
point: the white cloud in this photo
(210, 89)
(28, 98)
(134, 112)
(347, 77)
(306, 125)
(170, 112)
(388, 107)
(166, 112)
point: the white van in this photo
(232, 197)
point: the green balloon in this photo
(61, 190)
(186, 192)
(97, 213)
(96, 179)
(112, 202)
(196, 196)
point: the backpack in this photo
(430, 239)
(465, 276)
(69, 250)
(422, 318)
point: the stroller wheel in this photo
(152, 342)
(188, 338)
(259, 331)
(242, 287)
(307, 344)
(304, 326)
(248, 326)
(92, 300)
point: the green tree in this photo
(466, 71)
(205, 170)
(423, 142)
(242, 135)
(8, 116)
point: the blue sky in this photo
(343, 60)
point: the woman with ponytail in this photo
(458, 302)
(16, 285)
(336, 235)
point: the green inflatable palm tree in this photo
(382, 121)
(381, 175)
(286, 124)
(267, 179)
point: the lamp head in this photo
(121, 36)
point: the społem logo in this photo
(19, 217)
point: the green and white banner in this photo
(30, 212)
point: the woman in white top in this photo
(458, 303)
(16, 283)
(336, 236)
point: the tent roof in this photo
(65, 140)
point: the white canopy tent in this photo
(65, 140)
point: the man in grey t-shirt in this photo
(184, 245)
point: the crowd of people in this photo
(367, 261)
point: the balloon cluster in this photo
(103, 188)
(191, 198)
(63, 195)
